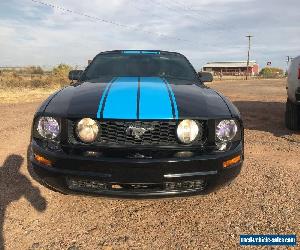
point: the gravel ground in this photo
(264, 199)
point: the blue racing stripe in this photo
(121, 101)
(103, 97)
(155, 102)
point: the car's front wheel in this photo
(292, 116)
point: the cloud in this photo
(203, 30)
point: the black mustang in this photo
(137, 124)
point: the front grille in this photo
(154, 133)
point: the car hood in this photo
(138, 98)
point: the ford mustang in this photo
(137, 123)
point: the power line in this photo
(133, 4)
(79, 13)
(120, 25)
(190, 12)
(180, 6)
(173, 8)
(188, 8)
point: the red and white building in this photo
(234, 68)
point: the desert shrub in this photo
(60, 74)
(35, 77)
(269, 72)
(31, 70)
(10, 80)
(38, 83)
(62, 69)
(37, 70)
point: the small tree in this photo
(271, 72)
(61, 73)
(62, 69)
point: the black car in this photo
(137, 124)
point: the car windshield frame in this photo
(166, 65)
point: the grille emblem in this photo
(137, 132)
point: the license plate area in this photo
(96, 186)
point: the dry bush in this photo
(15, 80)
(31, 84)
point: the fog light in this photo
(42, 160)
(232, 161)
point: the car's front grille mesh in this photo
(154, 133)
(137, 133)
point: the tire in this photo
(292, 116)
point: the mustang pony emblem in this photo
(137, 132)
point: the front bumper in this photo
(121, 177)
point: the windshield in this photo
(162, 65)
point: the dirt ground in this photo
(264, 199)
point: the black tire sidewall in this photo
(292, 119)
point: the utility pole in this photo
(289, 59)
(287, 63)
(249, 47)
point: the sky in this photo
(49, 32)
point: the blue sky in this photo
(203, 30)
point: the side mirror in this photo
(75, 74)
(205, 76)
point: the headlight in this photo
(226, 130)
(48, 127)
(87, 130)
(187, 131)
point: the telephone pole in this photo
(287, 63)
(249, 47)
(289, 59)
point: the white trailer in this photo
(292, 113)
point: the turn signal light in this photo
(42, 160)
(232, 161)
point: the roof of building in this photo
(234, 64)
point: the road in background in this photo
(264, 199)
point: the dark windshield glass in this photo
(173, 66)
